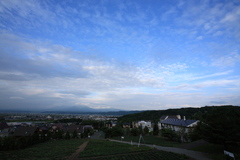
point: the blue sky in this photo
(133, 55)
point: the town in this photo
(23, 130)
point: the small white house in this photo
(144, 124)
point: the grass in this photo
(108, 150)
(215, 151)
(54, 149)
(104, 147)
(155, 140)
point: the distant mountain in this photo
(79, 109)
(73, 110)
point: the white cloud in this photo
(226, 60)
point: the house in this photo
(111, 124)
(57, 127)
(143, 124)
(42, 129)
(78, 128)
(177, 124)
(25, 131)
(126, 125)
(5, 129)
(87, 127)
(3, 125)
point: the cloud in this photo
(226, 60)
(37, 59)
(208, 84)
(118, 54)
(205, 18)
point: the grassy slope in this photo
(55, 149)
(107, 150)
(104, 147)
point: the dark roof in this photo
(59, 126)
(25, 131)
(178, 122)
(88, 126)
(77, 128)
(43, 128)
(3, 125)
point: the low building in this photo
(78, 128)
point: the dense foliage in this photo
(154, 116)
(50, 150)
(221, 125)
(12, 143)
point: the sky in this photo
(129, 55)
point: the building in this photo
(143, 124)
(177, 124)
(25, 131)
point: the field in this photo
(97, 149)
(102, 149)
(156, 140)
(54, 149)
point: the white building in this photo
(145, 124)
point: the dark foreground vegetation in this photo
(50, 150)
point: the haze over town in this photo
(128, 55)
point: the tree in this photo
(140, 130)
(146, 130)
(74, 135)
(135, 132)
(114, 132)
(170, 134)
(127, 131)
(67, 136)
(155, 129)
(221, 126)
